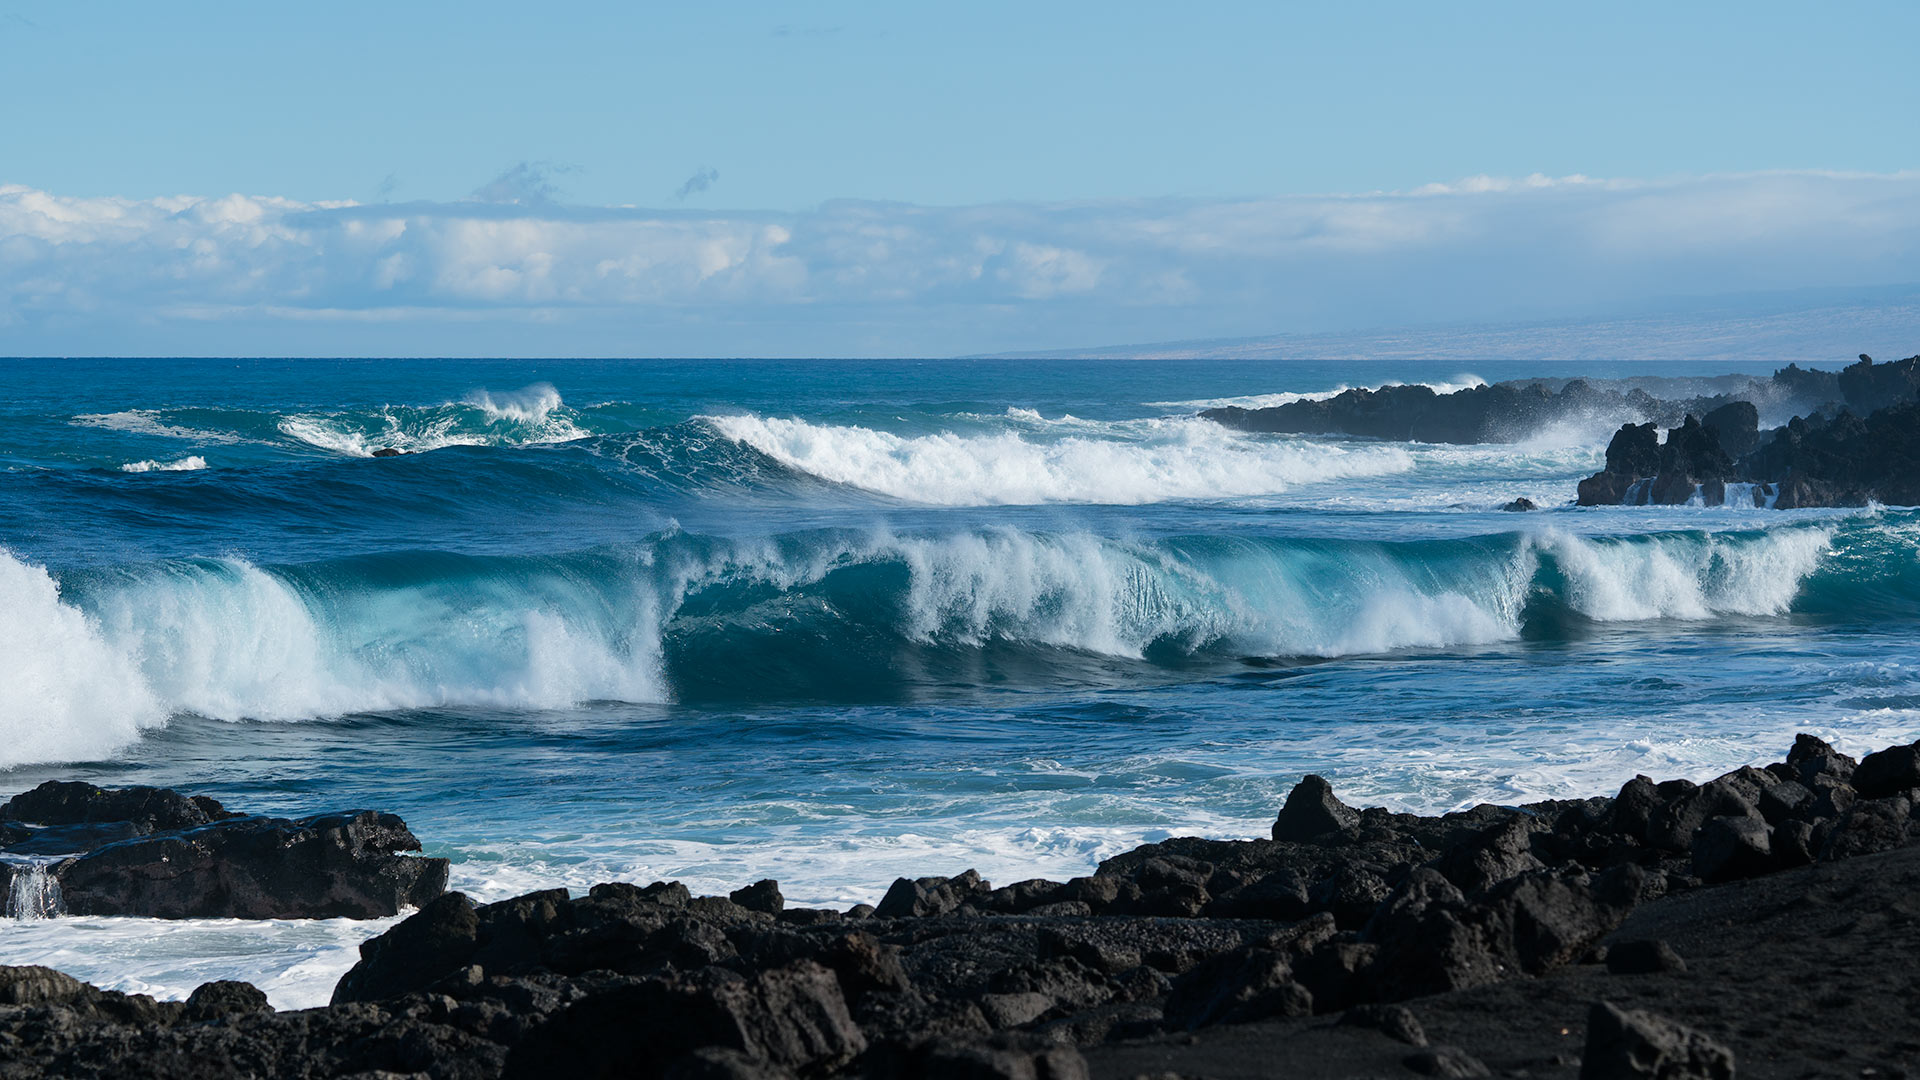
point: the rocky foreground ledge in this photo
(1767, 921)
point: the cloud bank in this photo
(264, 275)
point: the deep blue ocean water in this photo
(837, 621)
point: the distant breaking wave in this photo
(1268, 401)
(526, 417)
(1172, 459)
(100, 655)
(185, 464)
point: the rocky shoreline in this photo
(1767, 921)
(1854, 437)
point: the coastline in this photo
(1205, 957)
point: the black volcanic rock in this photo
(1416, 413)
(144, 809)
(329, 866)
(1888, 772)
(1311, 953)
(1312, 810)
(157, 853)
(1632, 454)
(1735, 426)
(1869, 387)
(1643, 957)
(1690, 457)
(1869, 449)
(224, 998)
(763, 895)
(1629, 1044)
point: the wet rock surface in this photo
(1863, 448)
(155, 852)
(1493, 941)
(1854, 435)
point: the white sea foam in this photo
(1045, 834)
(295, 962)
(67, 693)
(1682, 576)
(1177, 459)
(531, 416)
(227, 640)
(530, 405)
(149, 422)
(185, 464)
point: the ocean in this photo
(834, 622)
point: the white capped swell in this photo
(191, 463)
(1156, 460)
(526, 417)
(121, 650)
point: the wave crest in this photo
(191, 463)
(1169, 459)
(531, 416)
(102, 654)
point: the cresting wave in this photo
(526, 417)
(1268, 401)
(100, 655)
(191, 463)
(1154, 460)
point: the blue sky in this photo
(1034, 145)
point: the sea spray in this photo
(106, 652)
(533, 416)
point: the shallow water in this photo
(833, 622)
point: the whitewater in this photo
(836, 621)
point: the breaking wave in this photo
(527, 417)
(190, 463)
(1269, 401)
(100, 655)
(1155, 461)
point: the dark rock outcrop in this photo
(1311, 810)
(1628, 1044)
(1346, 913)
(1417, 413)
(158, 853)
(1865, 449)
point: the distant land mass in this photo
(1817, 326)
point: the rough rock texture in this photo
(158, 853)
(1847, 454)
(1311, 810)
(1363, 943)
(1498, 413)
(1628, 1044)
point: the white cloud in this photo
(107, 273)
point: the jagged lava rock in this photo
(1311, 811)
(1628, 1044)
